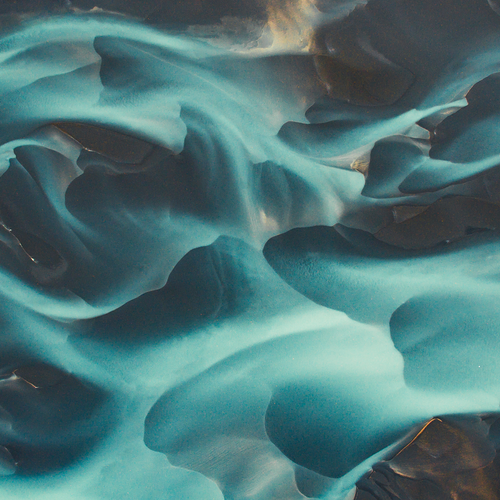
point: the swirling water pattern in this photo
(250, 269)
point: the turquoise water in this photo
(241, 270)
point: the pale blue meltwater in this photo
(244, 270)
